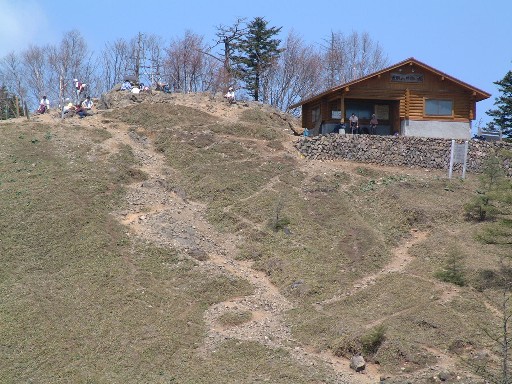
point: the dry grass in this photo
(83, 302)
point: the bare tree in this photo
(350, 57)
(335, 61)
(152, 67)
(115, 63)
(13, 74)
(36, 69)
(70, 60)
(228, 37)
(186, 67)
(297, 74)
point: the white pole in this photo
(465, 159)
(451, 160)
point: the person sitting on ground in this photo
(161, 86)
(230, 95)
(127, 86)
(44, 105)
(80, 111)
(143, 88)
(87, 103)
(68, 108)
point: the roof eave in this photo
(480, 95)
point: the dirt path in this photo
(398, 263)
(156, 213)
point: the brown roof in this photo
(480, 95)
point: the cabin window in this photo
(315, 115)
(437, 107)
(361, 110)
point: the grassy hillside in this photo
(354, 249)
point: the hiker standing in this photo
(79, 87)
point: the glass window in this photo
(315, 115)
(361, 110)
(435, 107)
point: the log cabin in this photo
(409, 98)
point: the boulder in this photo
(357, 363)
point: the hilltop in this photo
(177, 238)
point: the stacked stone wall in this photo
(402, 151)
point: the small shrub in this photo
(479, 208)
(372, 341)
(279, 222)
(453, 272)
(347, 347)
(367, 344)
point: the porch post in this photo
(342, 108)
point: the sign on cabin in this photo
(407, 77)
(382, 111)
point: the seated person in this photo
(230, 95)
(143, 88)
(161, 86)
(127, 86)
(68, 108)
(44, 105)
(373, 124)
(87, 103)
(354, 123)
(80, 111)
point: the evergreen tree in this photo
(257, 50)
(9, 105)
(503, 113)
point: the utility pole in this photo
(138, 56)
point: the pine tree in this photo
(9, 105)
(503, 113)
(257, 50)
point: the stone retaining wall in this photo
(397, 150)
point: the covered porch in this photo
(333, 116)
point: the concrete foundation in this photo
(437, 129)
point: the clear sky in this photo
(467, 39)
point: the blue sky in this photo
(467, 39)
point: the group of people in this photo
(354, 123)
(137, 88)
(81, 107)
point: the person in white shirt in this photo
(79, 87)
(44, 105)
(354, 122)
(230, 95)
(87, 103)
